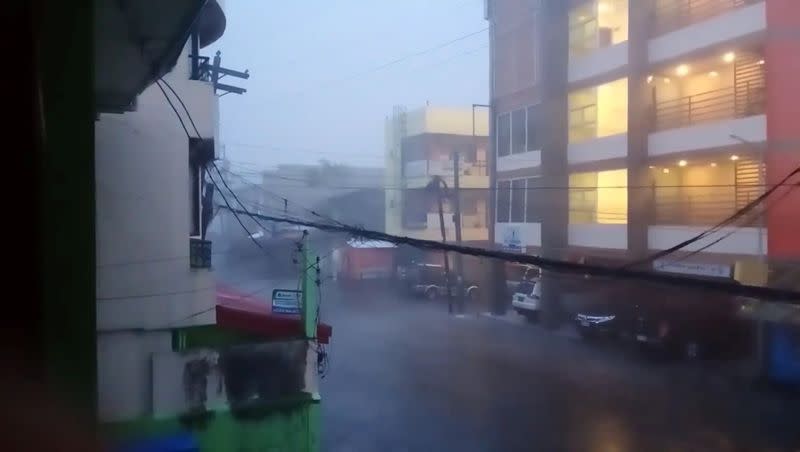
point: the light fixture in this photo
(761, 62)
(683, 163)
(667, 80)
(713, 74)
(649, 79)
(729, 57)
(713, 165)
(734, 157)
(651, 167)
(682, 70)
(603, 7)
(665, 170)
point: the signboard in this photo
(285, 301)
(512, 239)
(691, 268)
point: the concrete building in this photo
(153, 270)
(419, 146)
(625, 127)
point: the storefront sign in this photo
(692, 268)
(512, 239)
(286, 301)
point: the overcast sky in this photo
(299, 108)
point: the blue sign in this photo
(285, 301)
(512, 240)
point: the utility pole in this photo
(459, 263)
(438, 185)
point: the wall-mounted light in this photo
(729, 57)
(665, 170)
(667, 80)
(649, 79)
(761, 62)
(682, 70)
(713, 74)
(734, 157)
(651, 167)
(713, 165)
(682, 163)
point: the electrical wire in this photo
(239, 220)
(178, 115)
(555, 264)
(188, 115)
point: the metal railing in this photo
(726, 103)
(199, 253)
(690, 206)
(670, 15)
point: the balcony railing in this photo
(747, 99)
(427, 168)
(698, 209)
(199, 253)
(670, 15)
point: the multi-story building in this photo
(624, 127)
(153, 264)
(421, 145)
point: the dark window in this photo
(518, 201)
(534, 142)
(518, 131)
(504, 135)
(503, 200)
(533, 212)
(195, 179)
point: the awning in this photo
(246, 313)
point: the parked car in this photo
(527, 299)
(683, 321)
(429, 280)
(694, 324)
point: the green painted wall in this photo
(294, 428)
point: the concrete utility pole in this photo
(459, 263)
(438, 185)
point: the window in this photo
(503, 135)
(503, 200)
(599, 111)
(533, 213)
(518, 134)
(195, 189)
(599, 197)
(518, 189)
(533, 130)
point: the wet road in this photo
(405, 376)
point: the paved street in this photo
(405, 376)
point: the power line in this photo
(188, 115)
(558, 265)
(239, 220)
(180, 119)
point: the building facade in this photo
(149, 188)
(421, 145)
(623, 127)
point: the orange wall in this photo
(783, 122)
(357, 260)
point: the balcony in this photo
(473, 227)
(684, 26)
(199, 253)
(701, 103)
(704, 191)
(418, 173)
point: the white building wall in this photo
(143, 227)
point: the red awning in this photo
(243, 312)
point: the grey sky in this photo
(297, 109)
